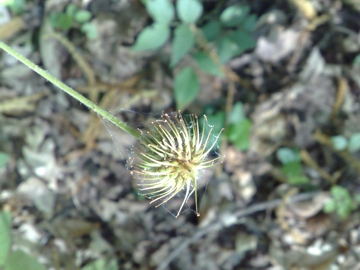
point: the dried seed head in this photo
(170, 157)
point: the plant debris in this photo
(287, 195)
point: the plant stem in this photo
(91, 105)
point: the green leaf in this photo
(340, 193)
(343, 212)
(16, 6)
(111, 265)
(330, 206)
(5, 236)
(339, 142)
(239, 134)
(162, 11)
(294, 173)
(189, 11)
(287, 155)
(211, 30)
(186, 87)
(293, 168)
(234, 44)
(354, 142)
(244, 41)
(237, 113)
(3, 159)
(357, 60)
(101, 264)
(343, 201)
(233, 15)
(71, 10)
(183, 41)
(95, 265)
(90, 30)
(82, 16)
(226, 49)
(207, 64)
(216, 121)
(297, 179)
(249, 23)
(61, 20)
(21, 260)
(152, 37)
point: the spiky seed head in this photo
(170, 157)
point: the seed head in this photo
(170, 157)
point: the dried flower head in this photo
(170, 156)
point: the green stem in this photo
(91, 105)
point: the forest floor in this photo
(287, 193)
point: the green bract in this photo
(169, 158)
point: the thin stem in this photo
(71, 92)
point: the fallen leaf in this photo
(20, 105)
(278, 45)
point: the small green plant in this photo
(341, 202)
(74, 17)
(239, 127)
(210, 45)
(9, 259)
(341, 143)
(291, 166)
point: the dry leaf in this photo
(20, 105)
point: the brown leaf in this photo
(20, 105)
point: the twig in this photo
(85, 67)
(343, 88)
(220, 224)
(308, 160)
(226, 70)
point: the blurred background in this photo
(282, 79)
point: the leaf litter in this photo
(81, 204)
